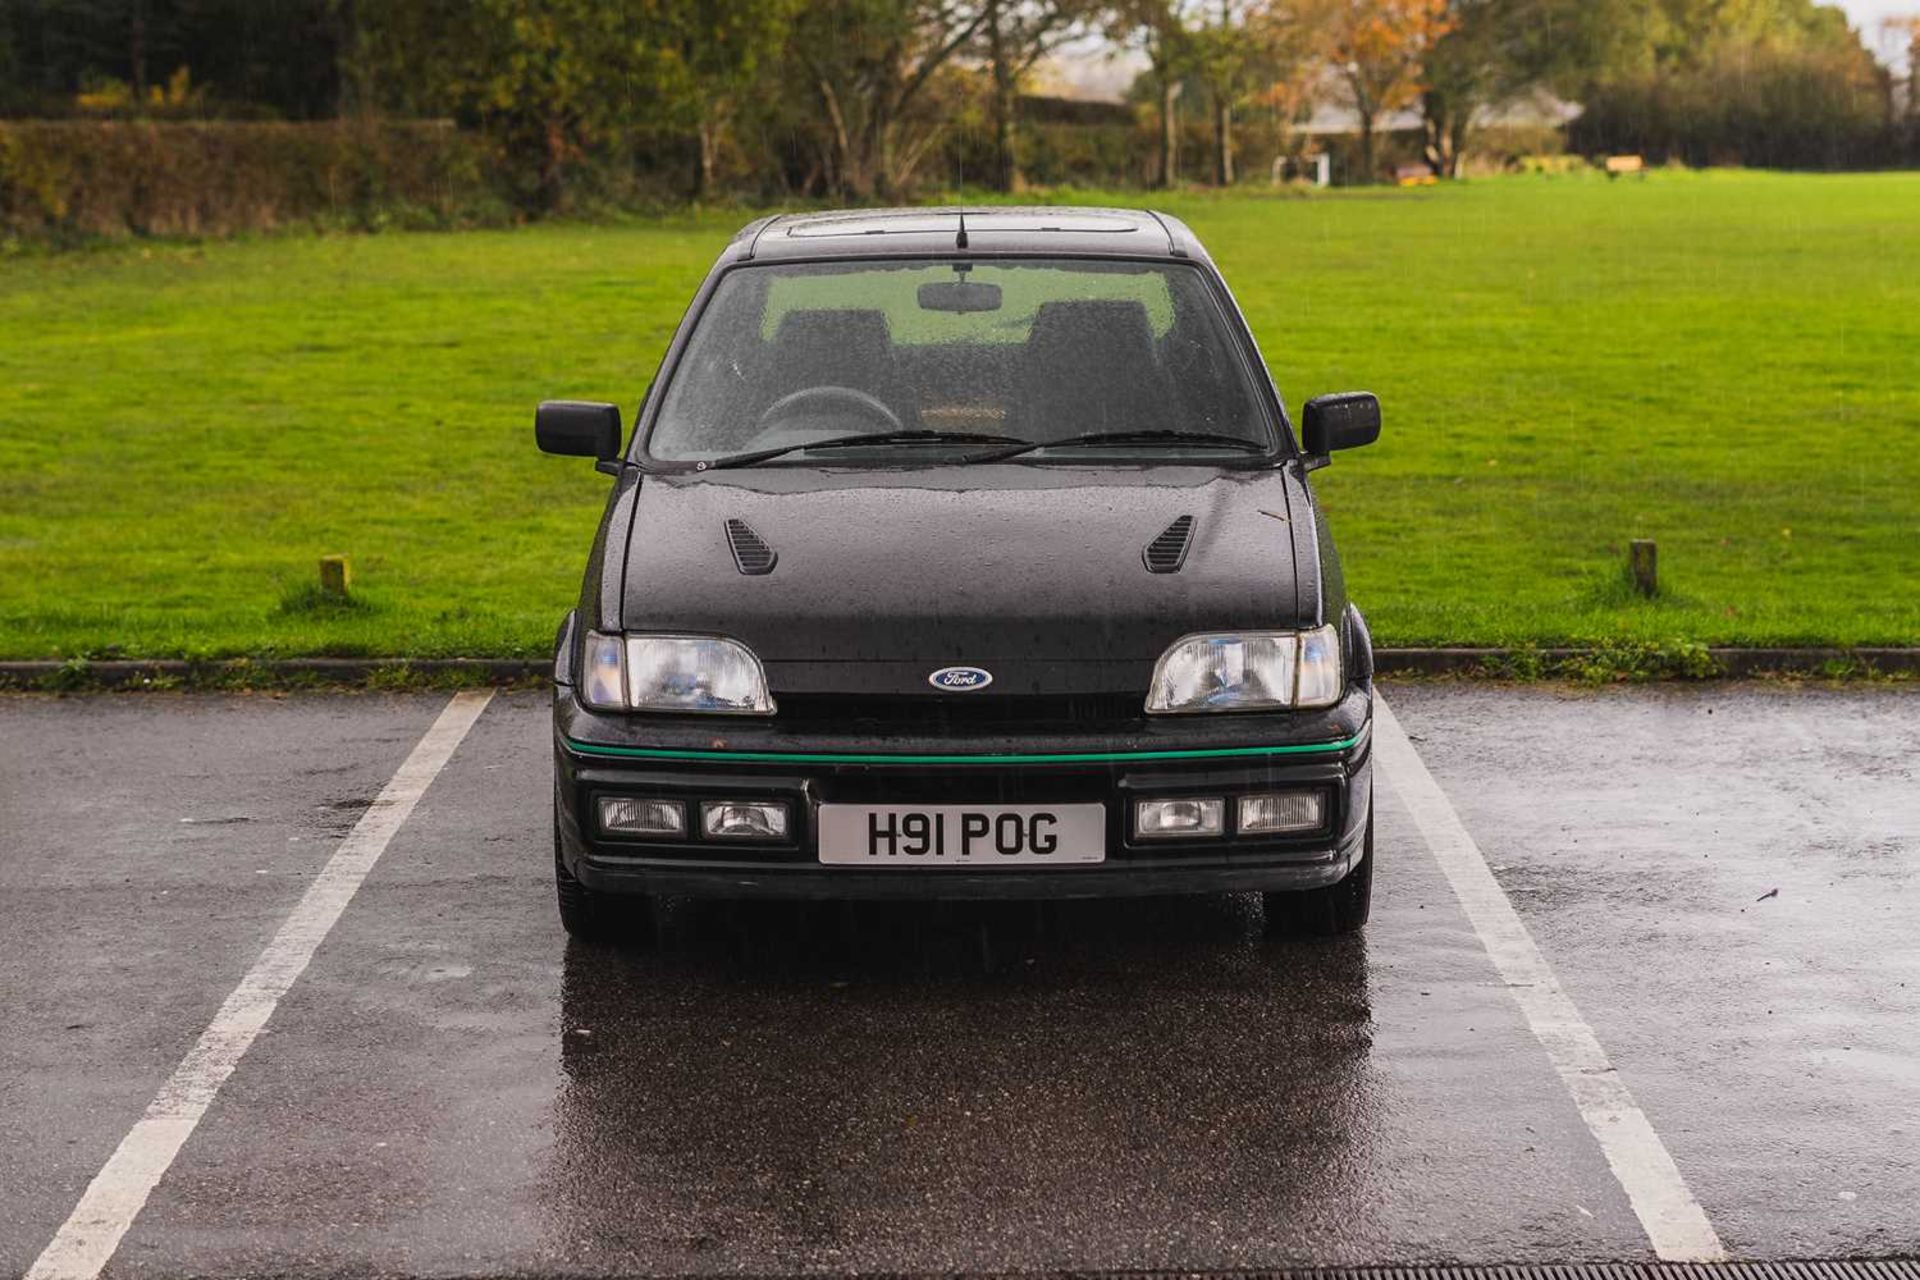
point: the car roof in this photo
(1054, 230)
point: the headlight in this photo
(706, 674)
(1248, 671)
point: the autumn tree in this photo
(1377, 49)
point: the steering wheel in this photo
(820, 399)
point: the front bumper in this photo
(598, 755)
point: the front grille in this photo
(963, 712)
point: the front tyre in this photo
(1330, 912)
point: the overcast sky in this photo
(1866, 15)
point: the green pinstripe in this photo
(1071, 757)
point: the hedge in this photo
(65, 179)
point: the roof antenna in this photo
(961, 242)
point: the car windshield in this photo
(928, 358)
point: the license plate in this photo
(962, 835)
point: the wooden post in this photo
(335, 576)
(1643, 558)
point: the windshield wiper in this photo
(865, 438)
(1153, 435)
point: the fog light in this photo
(744, 820)
(1279, 813)
(660, 819)
(1186, 817)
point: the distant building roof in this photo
(1532, 110)
(1089, 70)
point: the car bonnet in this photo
(870, 580)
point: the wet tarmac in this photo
(452, 1089)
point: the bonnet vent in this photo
(750, 551)
(1166, 553)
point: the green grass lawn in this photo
(1726, 362)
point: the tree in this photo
(1377, 48)
(252, 57)
(1907, 29)
(1494, 50)
(14, 93)
(1221, 56)
(1241, 48)
(1014, 35)
(1759, 82)
(549, 79)
(702, 58)
(1465, 70)
(871, 63)
(1161, 29)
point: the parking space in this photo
(452, 1089)
(150, 848)
(1726, 878)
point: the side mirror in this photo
(1343, 420)
(578, 428)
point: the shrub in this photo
(1802, 108)
(71, 179)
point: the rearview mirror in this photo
(959, 295)
(579, 428)
(1343, 420)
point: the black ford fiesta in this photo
(963, 553)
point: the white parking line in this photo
(93, 1230)
(1673, 1219)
